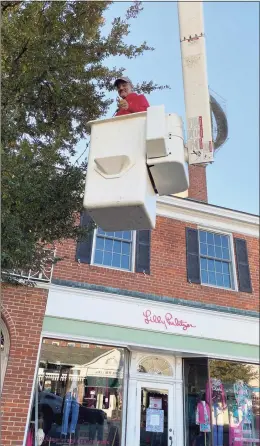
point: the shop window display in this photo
(79, 397)
(234, 397)
(221, 403)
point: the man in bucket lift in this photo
(129, 102)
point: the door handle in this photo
(170, 438)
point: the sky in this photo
(232, 46)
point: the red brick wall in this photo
(198, 183)
(168, 270)
(23, 311)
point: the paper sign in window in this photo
(154, 420)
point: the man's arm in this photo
(138, 104)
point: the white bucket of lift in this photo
(118, 191)
(166, 160)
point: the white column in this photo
(131, 413)
(178, 407)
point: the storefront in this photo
(117, 370)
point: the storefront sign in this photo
(168, 320)
(136, 313)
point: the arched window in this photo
(155, 365)
(5, 347)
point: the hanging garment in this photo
(96, 431)
(235, 426)
(215, 392)
(203, 416)
(217, 435)
(217, 414)
(29, 441)
(40, 437)
(241, 392)
(71, 408)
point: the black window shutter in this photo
(244, 279)
(192, 255)
(143, 254)
(84, 247)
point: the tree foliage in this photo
(229, 372)
(54, 80)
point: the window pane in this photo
(226, 281)
(195, 387)
(126, 248)
(125, 262)
(211, 266)
(107, 258)
(212, 278)
(236, 384)
(217, 239)
(225, 268)
(224, 239)
(210, 238)
(219, 279)
(110, 234)
(100, 243)
(218, 252)
(204, 276)
(216, 248)
(117, 247)
(78, 406)
(108, 245)
(211, 251)
(203, 264)
(98, 257)
(203, 236)
(225, 254)
(218, 266)
(111, 246)
(116, 260)
(127, 235)
(203, 249)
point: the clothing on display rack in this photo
(235, 426)
(203, 416)
(40, 436)
(243, 397)
(217, 435)
(71, 409)
(217, 414)
(241, 391)
(29, 441)
(96, 431)
(215, 392)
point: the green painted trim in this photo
(163, 340)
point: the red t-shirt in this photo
(136, 103)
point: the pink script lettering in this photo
(168, 320)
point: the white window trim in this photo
(233, 259)
(133, 253)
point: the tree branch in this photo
(6, 5)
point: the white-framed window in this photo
(216, 259)
(114, 249)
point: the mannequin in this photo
(203, 417)
(216, 396)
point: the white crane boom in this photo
(195, 82)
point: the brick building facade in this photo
(127, 315)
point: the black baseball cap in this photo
(122, 79)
